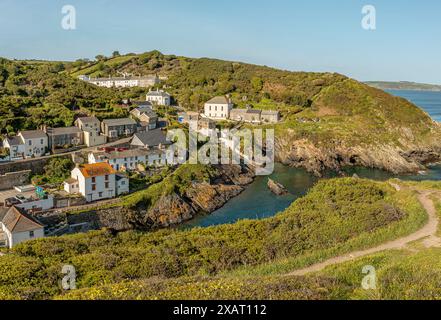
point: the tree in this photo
(115, 54)
(100, 57)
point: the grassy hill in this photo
(404, 85)
(336, 216)
(329, 120)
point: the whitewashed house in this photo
(218, 108)
(159, 97)
(122, 184)
(36, 143)
(16, 147)
(123, 82)
(129, 159)
(17, 226)
(93, 181)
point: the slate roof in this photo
(63, 131)
(152, 138)
(218, 100)
(119, 122)
(88, 119)
(14, 141)
(33, 134)
(159, 93)
(17, 220)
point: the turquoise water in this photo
(257, 201)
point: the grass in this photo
(336, 215)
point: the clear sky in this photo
(307, 35)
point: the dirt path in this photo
(428, 233)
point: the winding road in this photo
(428, 233)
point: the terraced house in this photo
(27, 144)
(64, 137)
(115, 128)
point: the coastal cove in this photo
(258, 202)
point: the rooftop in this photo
(150, 77)
(14, 141)
(96, 169)
(152, 138)
(33, 134)
(17, 220)
(159, 93)
(63, 130)
(218, 100)
(88, 119)
(121, 154)
(119, 122)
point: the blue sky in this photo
(306, 35)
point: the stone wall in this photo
(11, 179)
(35, 165)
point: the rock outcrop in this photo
(277, 188)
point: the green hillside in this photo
(337, 216)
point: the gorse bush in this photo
(334, 212)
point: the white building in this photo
(218, 108)
(16, 147)
(94, 181)
(88, 124)
(129, 159)
(17, 226)
(122, 82)
(27, 144)
(122, 184)
(159, 97)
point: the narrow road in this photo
(428, 232)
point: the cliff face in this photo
(352, 124)
(201, 197)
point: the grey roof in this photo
(150, 77)
(121, 154)
(33, 134)
(120, 176)
(14, 141)
(119, 122)
(17, 220)
(218, 100)
(159, 93)
(270, 112)
(152, 138)
(244, 111)
(63, 131)
(142, 109)
(88, 119)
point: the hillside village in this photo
(115, 148)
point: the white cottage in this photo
(94, 181)
(17, 226)
(218, 108)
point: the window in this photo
(100, 194)
(93, 179)
(106, 185)
(41, 141)
(123, 183)
(31, 234)
(107, 177)
(93, 187)
(30, 142)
